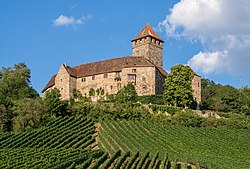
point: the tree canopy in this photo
(53, 103)
(14, 84)
(126, 94)
(224, 98)
(178, 90)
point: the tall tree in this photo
(178, 90)
(53, 103)
(14, 85)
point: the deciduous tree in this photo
(178, 90)
(14, 85)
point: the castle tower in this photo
(148, 45)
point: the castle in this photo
(143, 69)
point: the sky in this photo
(211, 36)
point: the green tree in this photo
(127, 94)
(245, 99)
(14, 85)
(224, 98)
(178, 90)
(53, 103)
(29, 114)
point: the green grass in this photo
(219, 148)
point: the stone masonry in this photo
(143, 69)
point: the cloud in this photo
(221, 26)
(70, 21)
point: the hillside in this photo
(78, 142)
(219, 148)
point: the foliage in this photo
(102, 110)
(187, 119)
(44, 158)
(178, 90)
(151, 99)
(53, 103)
(91, 92)
(127, 94)
(225, 98)
(63, 132)
(198, 146)
(14, 85)
(29, 113)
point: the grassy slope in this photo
(217, 147)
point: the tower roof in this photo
(147, 31)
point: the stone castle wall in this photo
(62, 82)
(111, 83)
(196, 86)
(148, 48)
(159, 82)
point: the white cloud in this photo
(222, 27)
(70, 21)
(208, 62)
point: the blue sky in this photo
(45, 34)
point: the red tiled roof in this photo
(106, 66)
(162, 71)
(147, 31)
(50, 83)
(111, 65)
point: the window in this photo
(61, 80)
(131, 77)
(198, 84)
(93, 77)
(111, 87)
(105, 75)
(84, 79)
(133, 70)
(117, 74)
(61, 88)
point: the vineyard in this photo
(78, 142)
(203, 147)
(67, 142)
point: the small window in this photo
(84, 79)
(198, 84)
(133, 70)
(105, 75)
(93, 77)
(131, 77)
(111, 87)
(61, 88)
(61, 80)
(117, 74)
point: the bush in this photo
(187, 119)
(151, 99)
